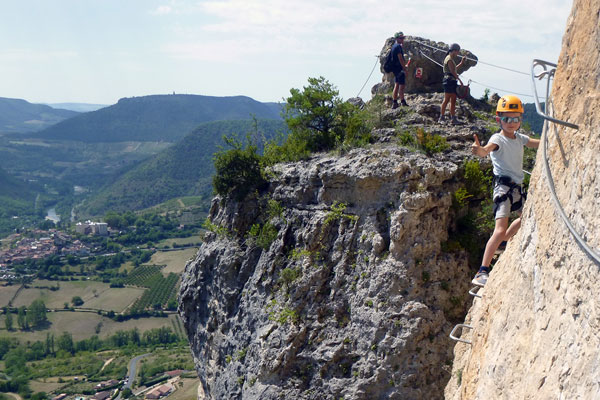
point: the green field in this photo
(97, 295)
(82, 325)
(182, 241)
(174, 260)
(187, 389)
(7, 293)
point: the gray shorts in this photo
(504, 208)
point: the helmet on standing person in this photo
(509, 103)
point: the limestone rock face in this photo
(536, 329)
(421, 52)
(351, 300)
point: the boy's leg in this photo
(494, 241)
(512, 229)
(500, 233)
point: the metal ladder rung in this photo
(475, 291)
(457, 338)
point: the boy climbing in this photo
(506, 151)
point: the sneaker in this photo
(455, 120)
(501, 248)
(404, 103)
(395, 104)
(480, 279)
(442, 119)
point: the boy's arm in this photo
(533, 143)
(482, 151)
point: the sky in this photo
(98, 51)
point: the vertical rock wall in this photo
(355, 303)
(537, 328)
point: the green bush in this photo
(237, 170)
(477, 184)
(407, 139)
(263, 235)
(431, 143)
(289, 275)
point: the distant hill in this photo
(157, 118)
(533, 118)
(184, 169)
(17, 116)
(79, 107)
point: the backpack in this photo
(389, 65)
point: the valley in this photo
(106, 298)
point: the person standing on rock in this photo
(449, 83)
(506, 151)
(399, 68)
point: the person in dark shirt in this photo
(400, 67)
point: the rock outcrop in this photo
(426, 55)
(355, 296)
(536, 328)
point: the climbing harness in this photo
(549, 74)
(510, 187)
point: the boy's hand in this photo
(476, 146)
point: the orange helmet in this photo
(509, 103)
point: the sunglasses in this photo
(510, 120)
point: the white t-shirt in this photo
(507, 160)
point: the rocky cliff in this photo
(356, 293)
(536, 329)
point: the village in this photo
(112, 389)
(37, 245)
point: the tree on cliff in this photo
(237, 170)
(320, 118)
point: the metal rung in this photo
(474, 291)
(549, 74)
(457, 338)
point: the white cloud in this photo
(162, 10)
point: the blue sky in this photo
(98, 51)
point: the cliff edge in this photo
(339, 279)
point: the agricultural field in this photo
(174, 261)
(180, 241)
(96, 295)
(187, 389)
(161, 292)
(83, 325)
(7, 293)
(46, 385)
